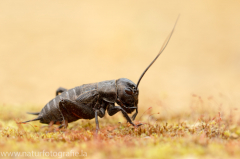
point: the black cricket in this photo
(89, 101)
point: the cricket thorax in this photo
(107, 91)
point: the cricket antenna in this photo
(163, 47)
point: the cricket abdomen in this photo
(51, 111)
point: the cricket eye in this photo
(129, 91)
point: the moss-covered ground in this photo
(197, 132)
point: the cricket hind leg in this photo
(60, 90)
(49, 126)
(72, 111)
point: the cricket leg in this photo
(96, 120)
(134, 115)
(122, 105)
(112, 109)
(101, 112)
(72, 111)
(50, 128)
(60, 90)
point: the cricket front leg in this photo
(122, 105)
(112, 109)
(135, 114)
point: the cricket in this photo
(90, 101)
(120, 79)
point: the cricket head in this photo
(127, 95)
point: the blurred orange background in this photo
(47, 44)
